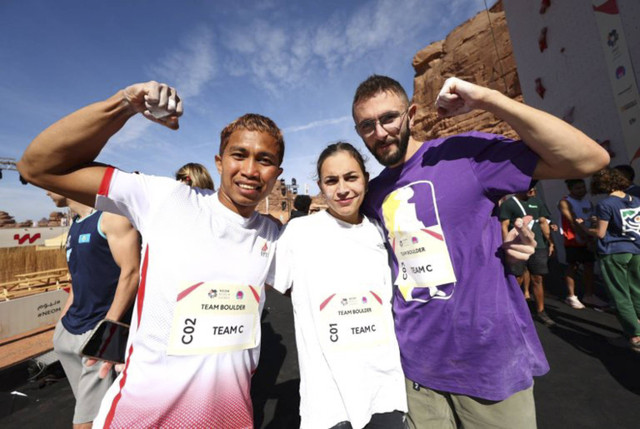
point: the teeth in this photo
(243, 186)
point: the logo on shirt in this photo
(412, 220)
(408, 242)
(630, 220)
(264, 252)
(84, 238)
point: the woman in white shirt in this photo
(336, 264)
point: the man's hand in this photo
(458, 96)
(158, 102)
(519, 244)
(106, 367)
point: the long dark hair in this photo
(337, 147)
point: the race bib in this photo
(413, 223)
(353, 321)
(423, 260)
(214, 318)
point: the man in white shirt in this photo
(195, 330)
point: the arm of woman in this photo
(601, 229)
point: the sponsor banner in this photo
(21, 237)
(31, 312)
(621, 74)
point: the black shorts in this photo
(579, 255)
(537, 264)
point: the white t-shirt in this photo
(341, 294)
(195, 332)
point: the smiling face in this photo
(343, 184)
(249, 168)
(387, 144)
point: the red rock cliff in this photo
(469, 52)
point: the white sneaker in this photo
(573, 302)
(594, 301)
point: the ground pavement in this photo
(592, 384)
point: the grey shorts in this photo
(88, 388)
(441, 410)
(536, 264)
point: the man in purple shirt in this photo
(468, 345)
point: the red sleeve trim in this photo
(106, 182)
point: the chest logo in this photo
(631, 220)
(412, 220)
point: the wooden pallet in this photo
(36, 282)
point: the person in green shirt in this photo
(517, 206)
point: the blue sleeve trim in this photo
(100, 226)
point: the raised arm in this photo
(60, 158)
(565, 152)
(124, 243)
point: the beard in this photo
(392, 157)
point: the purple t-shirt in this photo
(462, 323)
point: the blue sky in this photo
(296, 62)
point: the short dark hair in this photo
(376, 84)
(302, 203)
(573, 182)
(337, 147)
(609, 180)
(253, 122)
(626, 170)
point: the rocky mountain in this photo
(479, 51)
(6, 220)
